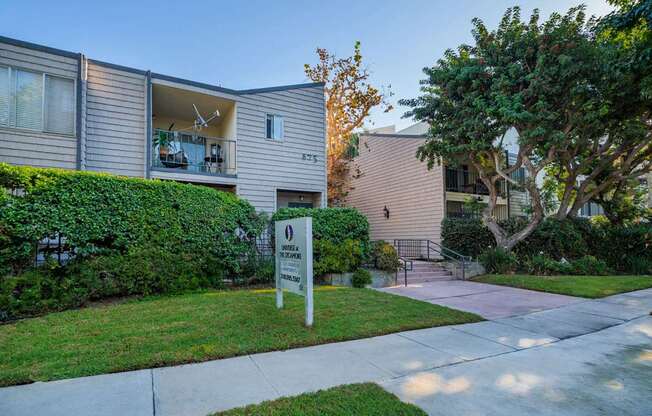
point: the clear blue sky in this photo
(238, 44)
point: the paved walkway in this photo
(587, 358)
(488, 301)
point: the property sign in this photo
(293, 240)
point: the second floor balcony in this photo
(192, 152)
(467, 180)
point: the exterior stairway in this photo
(425, 271)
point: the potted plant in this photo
(163, 140)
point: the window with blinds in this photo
(4, 95)
(29, 100)
(37, 101)
(59, 105)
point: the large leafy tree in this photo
(554, 83)
(349, 99)
(604, 168)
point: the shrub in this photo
(257, 270)
(361, 278)
(336, 258)
(589, 266)
(99, 213)
(137, 272)
(332, 224)
(618, 245)
(384, 256)
(556, 239)
(265, 271)
(586, 265)
(544, 265)
(497, 260)
(340, 237)
(638, 265)
(129, 236)
(466, 236)
(626, 249)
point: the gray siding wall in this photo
(113, 128)
(265, 166)
(25, 147)
(115, 121)
(392, 176)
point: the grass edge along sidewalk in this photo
(166, 331)
(592, 287)
(366, 399)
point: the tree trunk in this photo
(504, 241)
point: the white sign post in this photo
(294, 261)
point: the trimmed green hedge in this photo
(341, 237)
(626, 249)
(332, 224)
(466, 236)
(129, 236)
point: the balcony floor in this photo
(186, 176)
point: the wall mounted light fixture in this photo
(386, 212)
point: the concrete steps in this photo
(424, 271)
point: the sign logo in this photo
(289, 232)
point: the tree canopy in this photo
(349, 98)
(572, 88)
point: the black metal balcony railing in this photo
(464, 180)
(193, 152)
(467, 181)
(464, 214)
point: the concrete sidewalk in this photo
(540, 362)
(488, 301)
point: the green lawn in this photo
(582, 286)
(199, 327)
(354, 399)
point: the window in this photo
(519, 175)
(37, 101)
(4, 96)
(29, 100)
(274, 127)
(59, 105)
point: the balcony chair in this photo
(215, 160)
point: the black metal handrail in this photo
(449, 251)
(403, 266)
(415, 248)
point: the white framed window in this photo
(37, 101)
(274, 127)
(60, 105)
(28, 100)
(5, 81)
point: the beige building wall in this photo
(392, 177)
